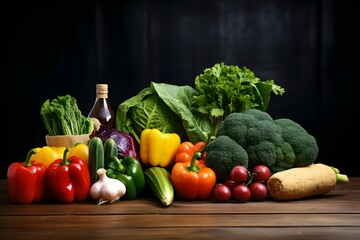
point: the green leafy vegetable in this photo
(195, 113)
(166, 107)
(61, 116)
(224, 89)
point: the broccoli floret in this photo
(264, 130)
(303, 144)
(279, 144)
(260, 115)
(285, 158)
(262, 153)
(256, 132)
(222, 154)
(236, 127)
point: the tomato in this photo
(222, 193)
(185, 147)
(239, 174)
(258, 191)
(186, 150)
(199, 146)
(241, 193)
(183, 158)
(230, 183)
(261, 173)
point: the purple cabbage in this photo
(126, 144)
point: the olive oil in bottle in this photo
(101, 109)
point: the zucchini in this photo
(159, 181)
(96, 158)
(110, 149)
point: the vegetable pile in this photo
(196, 143)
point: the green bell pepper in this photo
(129, 171)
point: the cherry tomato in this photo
(261, 173)
(239, 174)
(222, 193)
(241, 193)
(258, 191)
(230, 183)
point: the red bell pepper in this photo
(26, 180)
(193, 180)
(69, 179)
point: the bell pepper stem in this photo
(28, 157)
(193, 167)
(118, 166)
(65, 161)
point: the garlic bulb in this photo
(107, 189)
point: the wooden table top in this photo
(335, 215)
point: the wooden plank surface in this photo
(300, 233)
(331, 216)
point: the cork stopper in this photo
(101, 90)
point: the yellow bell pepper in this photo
(47, 155)
(157, 148)
(81, 150)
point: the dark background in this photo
(309, 47)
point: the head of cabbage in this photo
(166, 107)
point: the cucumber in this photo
(159, 181)
(96, 158)
(110, 149)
